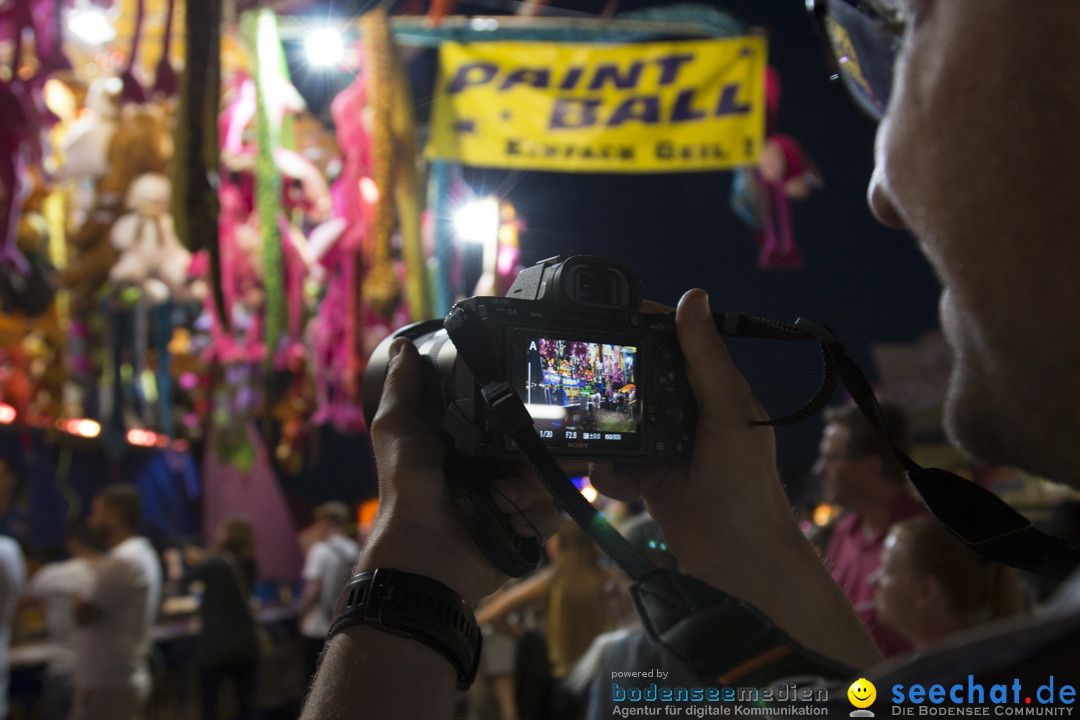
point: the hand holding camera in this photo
(706, 473)
(416, 529)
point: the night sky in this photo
(869, 283)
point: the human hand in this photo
(417, 528)
(723, 513)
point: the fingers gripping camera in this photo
(601, 380)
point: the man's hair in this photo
(864, 440)
(125, 500)
(335, 511)
(239, 535)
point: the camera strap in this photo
(715, 634)
(978, 517)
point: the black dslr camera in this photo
(601, 380)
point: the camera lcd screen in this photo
(581, 395)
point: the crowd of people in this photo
(102, 612)
(552, 638)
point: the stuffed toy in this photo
(141, 144)
(760, 195)
(85, 146)
(151, 256)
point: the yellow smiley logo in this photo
(862, 693)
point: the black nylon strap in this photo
(721, 638)
(978, 517)
(982, 520)
(717, 635)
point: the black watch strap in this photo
(416, 607)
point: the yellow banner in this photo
(657, 107)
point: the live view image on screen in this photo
(582, 390)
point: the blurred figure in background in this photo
(57, 585)
(12, 583)
(327, 567)
(228, 645)
(629, 648)
(859, 472)
(579, 601)
(930, 585)
(116, 612)
(12, 502)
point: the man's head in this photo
(115, 511)
(976, 156)
(331, 517)
(855, 463)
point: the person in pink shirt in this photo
(858, 471)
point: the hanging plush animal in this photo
(760, 195)
(151, 257)
(85, 146)
(140, 145)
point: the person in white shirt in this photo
(57, 585)
(12, 583)
(112, 676)
(327, 567)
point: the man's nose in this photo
(881, 204)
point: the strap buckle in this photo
(508, 408)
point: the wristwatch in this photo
(416, 607)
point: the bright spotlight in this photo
(589, 492)
(478, 221)
(7, 413)
(325, 47)
(90, 26)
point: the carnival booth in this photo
(198, 259)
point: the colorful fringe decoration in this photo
(260, 29)
(381, 287)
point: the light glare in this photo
(325, 47)
(478, 221)
(84, 428)
(539, 411)
(90, 26)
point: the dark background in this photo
(868, 283)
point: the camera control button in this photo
(669, 414)
(665, 357)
